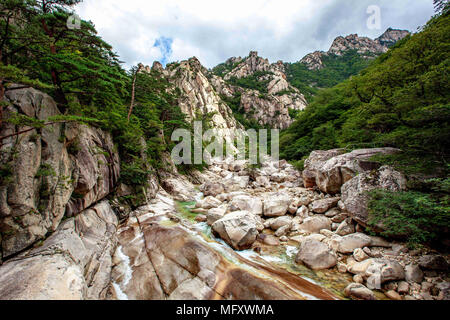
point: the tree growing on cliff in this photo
(36, 37)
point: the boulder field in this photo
(65, 235)
(328, 229)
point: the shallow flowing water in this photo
(275, 263)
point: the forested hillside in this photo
(336, 69)
(401, 101)
(84, 75)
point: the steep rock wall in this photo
(59, 170)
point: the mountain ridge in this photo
(364, 46)
(263, 94)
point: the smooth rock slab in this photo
(42, 278)
(74, 263)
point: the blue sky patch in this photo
(165, 46)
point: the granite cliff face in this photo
(59, 170)
(392, 36)
(364, 46)
(51, 173)
(204, 92)
(198, 98)
(268, 97)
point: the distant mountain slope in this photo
(400, 100)
(364, 46)
(346, 57)
(262, 94)
(258, 92)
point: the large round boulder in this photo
(239, 229)
(383, 270)
(209, 203)
(212, 189)
(329, 170)
(276, 205)
(281, 222)
(316, 255)
(413, 273)
(322, 206)
(356, 198)
(315, 224)
(247, 203)
(349, 243)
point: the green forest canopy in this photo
(84, 76)
(401, 100)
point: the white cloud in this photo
(215, 30)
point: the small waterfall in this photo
(125, 260)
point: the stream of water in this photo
(278, 260)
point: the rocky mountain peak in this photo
(391, 36)
(265, 94)
(157, 66)
(248, 66)
(314, 60)
(196, 64)
(365, 46)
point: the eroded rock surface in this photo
(329, 170)
(73, 264)
(355, 196)
(159, 259)
(61, 170)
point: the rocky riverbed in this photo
(239, 233)
(263, 228)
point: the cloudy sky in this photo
(214, 30)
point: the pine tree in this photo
(441, 5)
